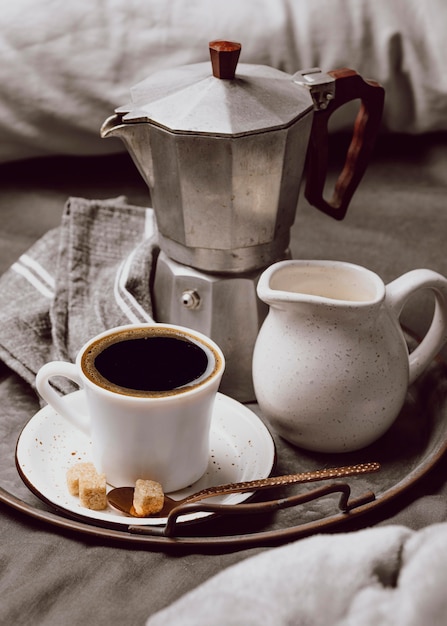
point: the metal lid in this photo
(192, 99)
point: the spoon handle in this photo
(289, 479)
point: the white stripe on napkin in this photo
(38, 269)
(125, 300)
(150, 225)
(36, 275)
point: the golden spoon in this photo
(121, 498)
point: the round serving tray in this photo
(407, 452)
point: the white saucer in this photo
(241, 448)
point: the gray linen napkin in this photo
(89, 274)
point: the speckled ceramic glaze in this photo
(136, 434)
(331, 366)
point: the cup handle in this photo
(397, 294)
(54, 399)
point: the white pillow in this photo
(66, 64)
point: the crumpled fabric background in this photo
(390, 576)
(397, 222)
(67, 65)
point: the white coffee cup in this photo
(150, 391)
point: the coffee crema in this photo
(149, 362)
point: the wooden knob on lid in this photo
(224, 57)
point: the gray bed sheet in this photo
(397, 222)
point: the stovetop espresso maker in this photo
(222, 150)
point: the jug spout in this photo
(334, 284)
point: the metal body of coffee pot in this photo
(223, 153)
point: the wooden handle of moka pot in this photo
(349, 85)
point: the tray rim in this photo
(137, 537)
(133, 535)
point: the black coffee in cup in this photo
(148, 361)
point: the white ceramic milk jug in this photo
(331, 366)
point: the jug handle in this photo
(349, 85)
(398, 293)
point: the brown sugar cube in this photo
(77, 471)
(148, 497)
(92, 491)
